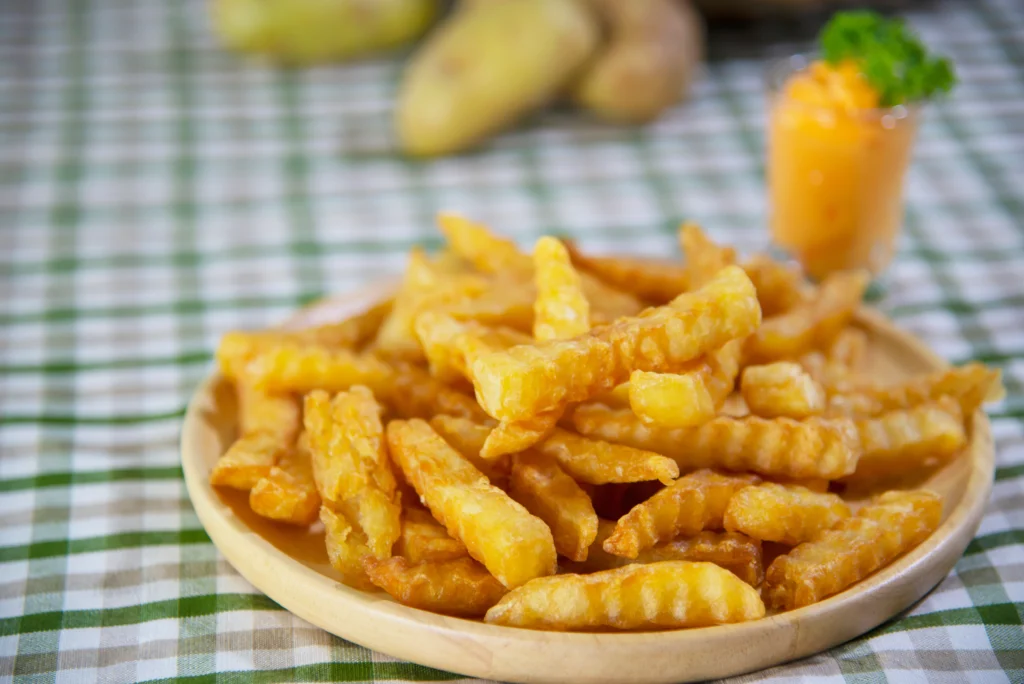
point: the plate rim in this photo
(256, 558)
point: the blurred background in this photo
(158, 187)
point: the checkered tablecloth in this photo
(156, 191)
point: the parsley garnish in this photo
(890, 55)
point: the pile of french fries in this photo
(570, 442)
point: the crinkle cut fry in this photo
(513, 436)
(301, 369)
(460, 587)
(902, 440)
(539, 484)
(468, 438)
(413, 393)
(350, 464)
(971, 385)
(493, 254)
(690, 396)
(853, 549)
(346, 547)
(652, 280)
(814, 323)
(511, 543)
(690, 504)
(269, 425)
(669, 594)
(425, 539)
(561, 311)
(238, 347)
(529, 379)
(815, 448)
(779, 287)
(781, 389)
(450, 344)
(597, 462)
(785, 514)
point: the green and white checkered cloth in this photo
(157, 191)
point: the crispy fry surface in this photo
(781, 389)
(903, 440)
(511, 543)
(288, 492)
(460, 587)
(526, 380)
(687, 398)
(814, 323)
(561, 311)
(301, 369)
(450, 344)
(414, 393)
(511, 436)
(350, 465)
(853, 549)
(596, 462)
(785, 514)
(779, 287)
(690, 504)
(468, 438)
(425, 539)
(269, 425)
(670, 594)
(539, 484)
(346, 548)
(781, 447)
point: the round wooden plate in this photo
(291, 566)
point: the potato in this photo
(310, 31)
(486, 66)
(648, 63)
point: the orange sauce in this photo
(836, 165)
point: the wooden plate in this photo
(291, 566)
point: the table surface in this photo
(156, 192)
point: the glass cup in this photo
(835, 178)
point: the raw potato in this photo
(486, 66)
(648, 63)
(310, 31)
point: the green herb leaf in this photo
(890, 55)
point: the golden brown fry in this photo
(468, 438)
(853, 549)
(346, 548)
(779, 287)
(493, 254)
(815, 484)
(425, 539)
(900, 441)
(596, 462)
(526, 380)
(690, 397)
(507, 303)
(560, 311)
(617, 397)
(424, 285)
(350, 464)
(512, 436)
(450, 344)
(269, 425)
(670, 594)
(414, 393)
(789, 515)
(238, 347)
(685, 507)
(546, 491)
(652, 280)
(288, 492)
(814, 323)
(776, 448)
(781, 389)
(704, 258)
(734, 552)
(460, 587)
(512, 544)
(301, 369)
(970, 385)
